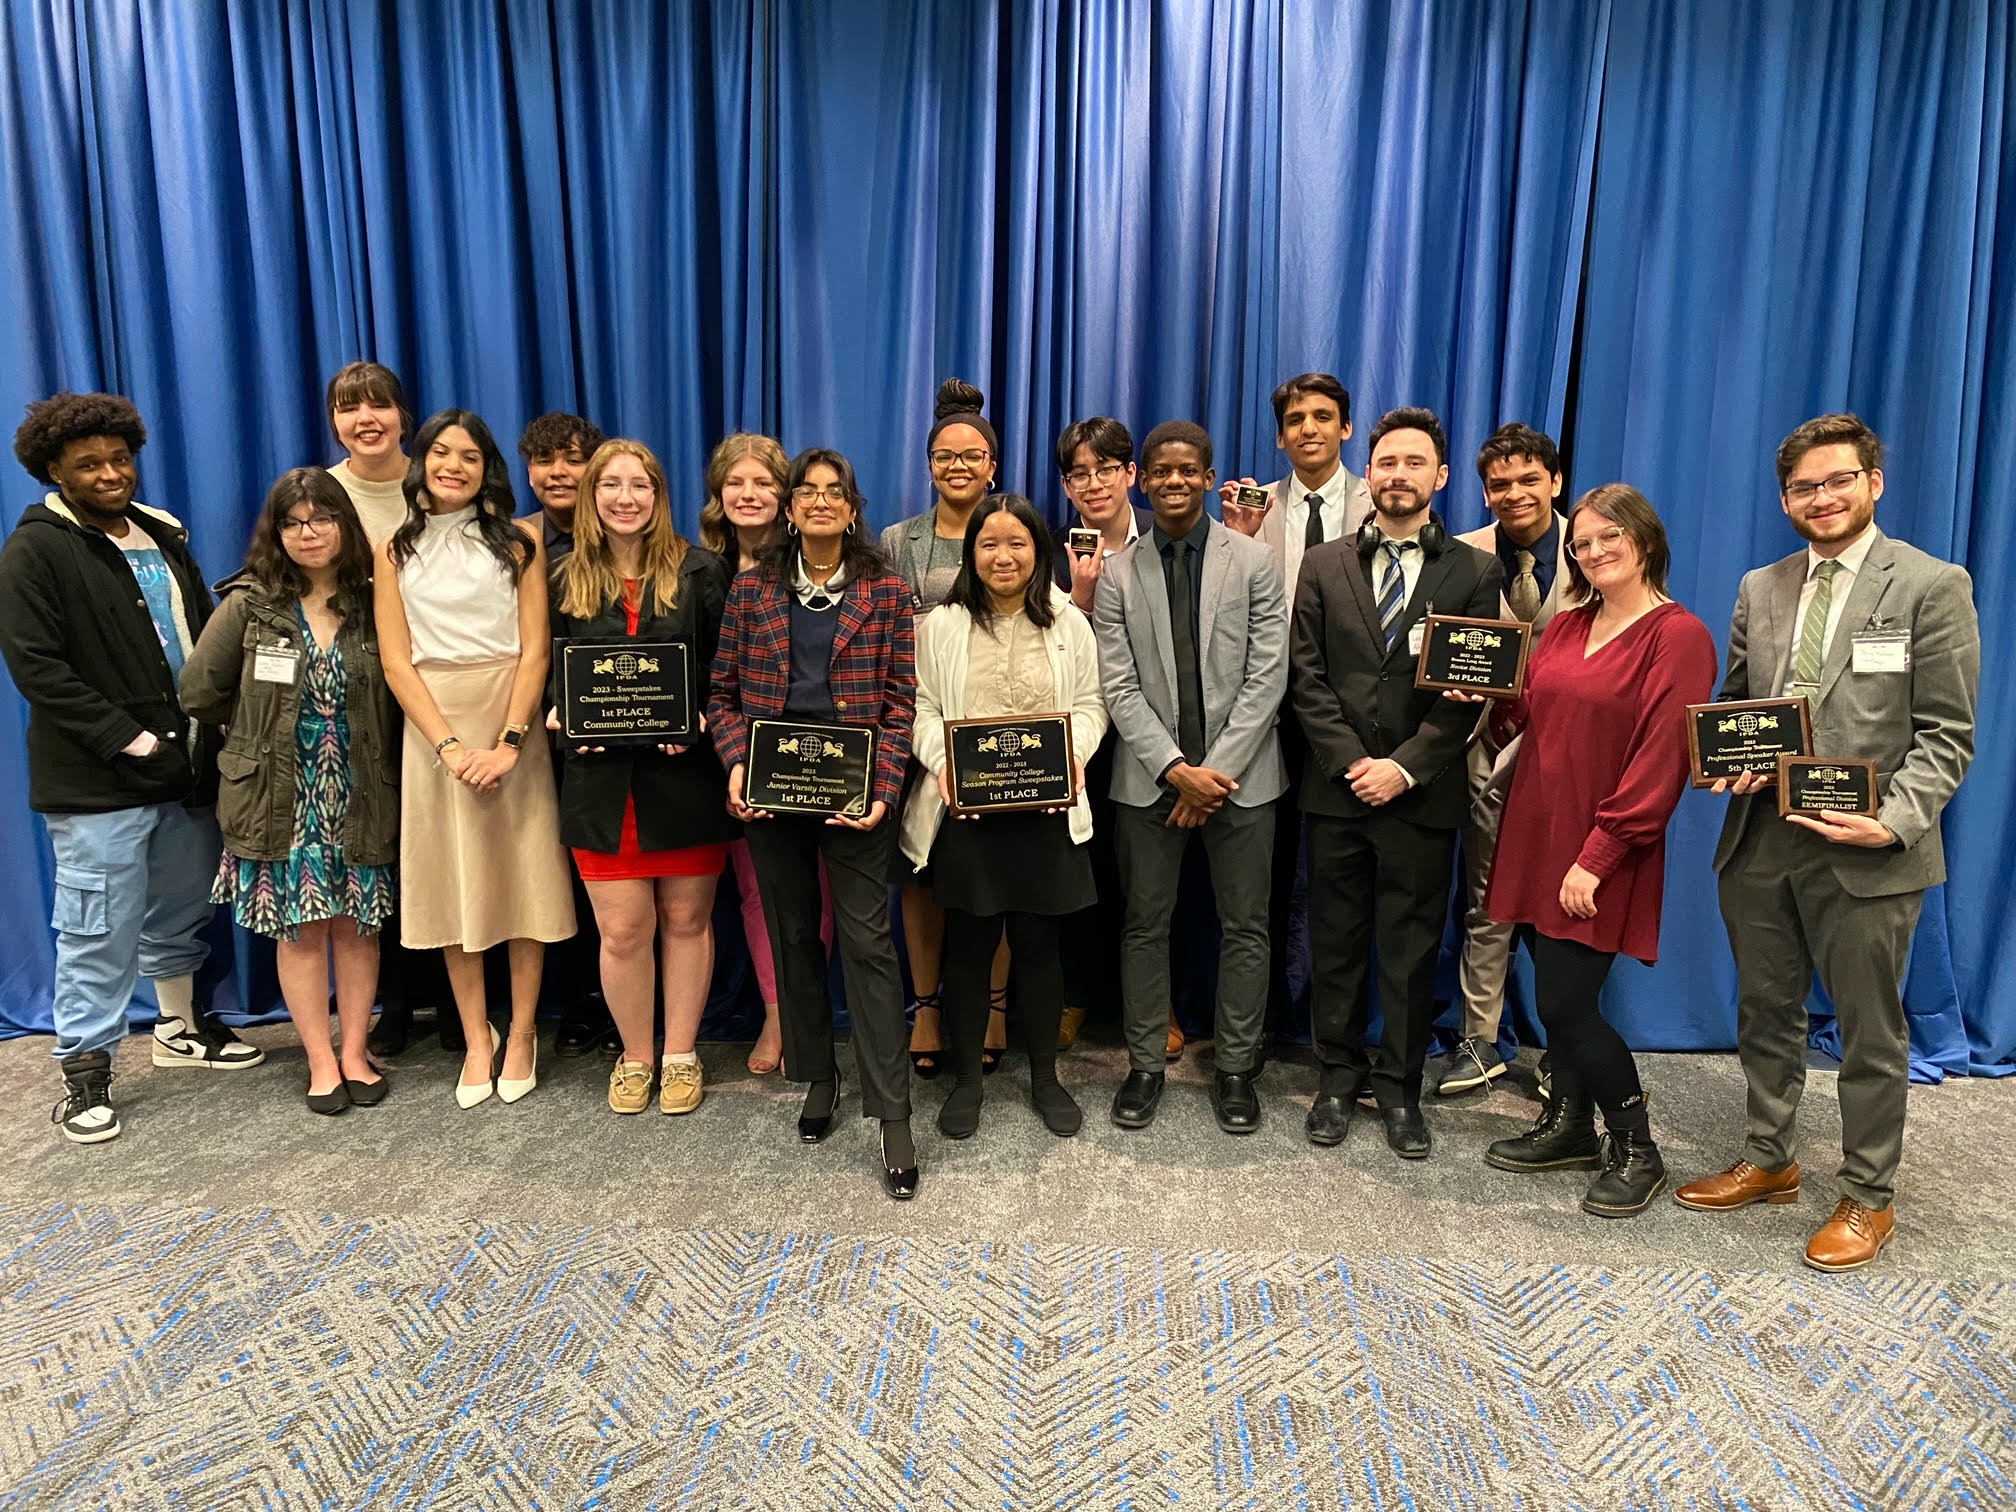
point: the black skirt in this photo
(1022, 862)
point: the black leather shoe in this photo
(1329, 1119)
(335, 1100)
(1236, 1101)
(1632, 1175)
(812, 1130)
(452, 1037)
(393, 1031)
(579, 1033)
(900, 1182)
(1134, 1104)
(1563, 1137)
(367, 1094)
(1407, 1131)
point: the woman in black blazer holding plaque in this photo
(819, 631)
(1006, 644)
(647, 822)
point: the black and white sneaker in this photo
(206, 1044)
(86, 1112)
(1473, 1063)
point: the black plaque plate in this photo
(616, 692)
(1825, 785)
(1253, 498)
(797, 767)
(999, 765)
(1474, 655)
(1729, 739)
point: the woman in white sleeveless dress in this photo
(462, 632)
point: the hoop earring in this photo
(790, 526)
(852, 525)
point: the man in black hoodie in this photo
(100, 605)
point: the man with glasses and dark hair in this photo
(1521, 473)
(1193, 658)
(1385, 789)
(1882, 641)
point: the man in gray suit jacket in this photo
(1882, 641)
(1193, 657)
(1520, 469)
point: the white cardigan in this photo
(941, 695)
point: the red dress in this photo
(629, 863)
(1601, 768)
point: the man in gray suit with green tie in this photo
(1882, 641)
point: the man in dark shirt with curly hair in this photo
(100, 605)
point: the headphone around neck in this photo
(1433, 538)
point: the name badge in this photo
(1882, 653)
(1416, 636)
(272, 664)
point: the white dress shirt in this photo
(1411, 563)
(1295, 519)
(1851, 560)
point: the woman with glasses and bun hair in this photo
(308, 797)
(463, 629)
(1581, 856)
(820, 630)
(928, 550)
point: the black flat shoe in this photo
(1329, 1119)
(335, 1100)
(813, 1129)
(367, 1094)
(1134, 1104)
(1236, 1101)
(452, 1037)
(1406, 1132)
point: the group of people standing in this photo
(356, 740)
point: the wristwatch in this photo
(513, 736)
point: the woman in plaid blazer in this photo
(820, 630)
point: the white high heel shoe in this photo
(468, 1095)
(510, 1091)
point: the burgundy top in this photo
(1603, 765)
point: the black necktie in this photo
(1189, 680)
(1312, 532)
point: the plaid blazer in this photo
(873, 672)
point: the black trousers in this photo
(1380, 876)
(1090, 938)
(1281, 884)
(1035, 988)
(1589, 1058)
(786, 850)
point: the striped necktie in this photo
(1392, 591)
(1813, 629)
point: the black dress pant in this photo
(1090, 943)
(1375, 876)
(786, 850)
(1286, 866)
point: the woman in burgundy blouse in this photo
(1582, 853)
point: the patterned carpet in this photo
(156, 1358)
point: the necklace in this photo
(818, 566)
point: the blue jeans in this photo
(132, 893)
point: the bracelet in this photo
(442, 745)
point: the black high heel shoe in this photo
(928, 1063)
(900, 1182)
(990, 1057)
(814, 1128)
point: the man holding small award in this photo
(1385, 788)
(1882, 641)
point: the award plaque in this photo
(1084, 542)
(800, 768)
(999, 765)
(1824, 785)
(625, 691)
(1729, 739)
(1253, 498)
(1474, 656)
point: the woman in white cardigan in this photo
(1004, 643)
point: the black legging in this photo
(1038, 986)
(1589, 1058)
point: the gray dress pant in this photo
(1487, 944)
(1240, 845)
(1787, 916)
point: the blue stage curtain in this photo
(1667, 232)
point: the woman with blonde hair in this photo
(648, 822)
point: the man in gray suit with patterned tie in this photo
(1193, 659)
(1883, 642)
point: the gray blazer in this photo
(1916, 725)
(907, 544)
(1243, 637)
(1357, 509)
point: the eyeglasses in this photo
(833, 493)
(1834, 485)
(1605, 541)
(947, 458)
(1105, 472)
(315, 524)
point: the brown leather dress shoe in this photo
(1068, 1025)
(1853, 1237)
(1175, 1041)
(1739, 1186)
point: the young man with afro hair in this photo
(100, 605)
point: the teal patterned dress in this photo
(275, 898)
